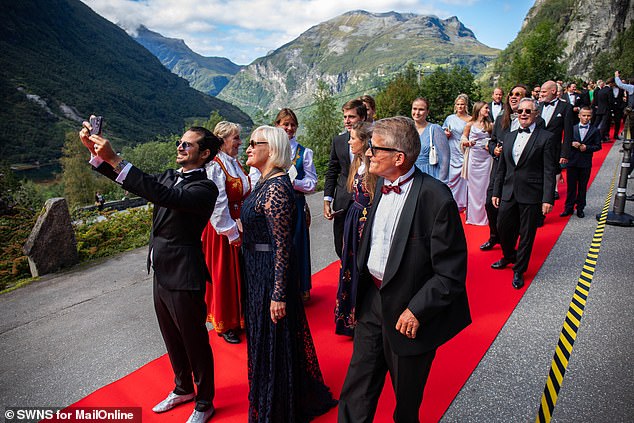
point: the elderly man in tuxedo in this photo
(559, 120)
(523, 189)
(337, 199)
(412, 264)
(183, 202)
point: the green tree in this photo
(154, 156)
(534, 57)
(80, 182)
(442, 87)
(397, 96)
(210, 123)
(322, 124)
(262, 117)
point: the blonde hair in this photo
(279, 146)
(223, 129)
(463, 97)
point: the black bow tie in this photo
(552, 103)
(583, 126)
(527, 130)
(497, 104)
(187, 175)
(386, 189)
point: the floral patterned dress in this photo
(348, 275)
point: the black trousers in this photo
(577, 186)
(181, 317)
(518, 220)
(603, 123)
(492, 211)
(337, 229)
(371, 359)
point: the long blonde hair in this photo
(363, 130)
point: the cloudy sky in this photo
(243, 30)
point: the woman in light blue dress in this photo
(432, 137)
(454, 126)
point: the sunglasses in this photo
(374, 149)
(525, 111)
(185, 144)
(253, 143)
(516, 94)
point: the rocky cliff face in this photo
(590, 27)
(207, 74)
(353, 53)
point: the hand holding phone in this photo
(96, 122)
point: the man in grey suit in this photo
(337, 199)
(523, 189)
(412, 265)
(183, 203)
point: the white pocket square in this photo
(558, 114)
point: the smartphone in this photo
(96, 122)
(337, 212)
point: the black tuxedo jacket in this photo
(180, 215)
(592, 140)
(532, 179)
(426, 268)
(337, 174)
(617, 104)
(491, 116)
(560, 126)
(602, 100)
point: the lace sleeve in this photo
(278, 210)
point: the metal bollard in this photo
(617, 216)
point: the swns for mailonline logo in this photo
(72, 414)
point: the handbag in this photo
(433, 157)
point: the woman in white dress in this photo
(475, 141)
(454, 127)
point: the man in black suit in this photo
(617, 106)
(559, 120)
(602, 105)
(586, 140)
(183, 203)
(412, 264)
(496, 107)
(337, 199)
(506, 123)
(572, 97)
(523, 189)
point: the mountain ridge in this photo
(62, 61)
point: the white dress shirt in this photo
(547, 111)
(388, 213)
(520, 142)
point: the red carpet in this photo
(491, 297)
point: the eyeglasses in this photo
(253, 143)
(516, 94)
(373, 148)
(186, 145)
(525, 111)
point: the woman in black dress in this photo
(285, 382)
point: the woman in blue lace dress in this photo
(361, 184)
(285, 381)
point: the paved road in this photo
(71, 333)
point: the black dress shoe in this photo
(566, 213)
(230, 336)
(501, 263)
(492, 242)
(581, 214)
(518, 280)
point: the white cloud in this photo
(244, 28)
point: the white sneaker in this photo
(172, 401)
(201, 416)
